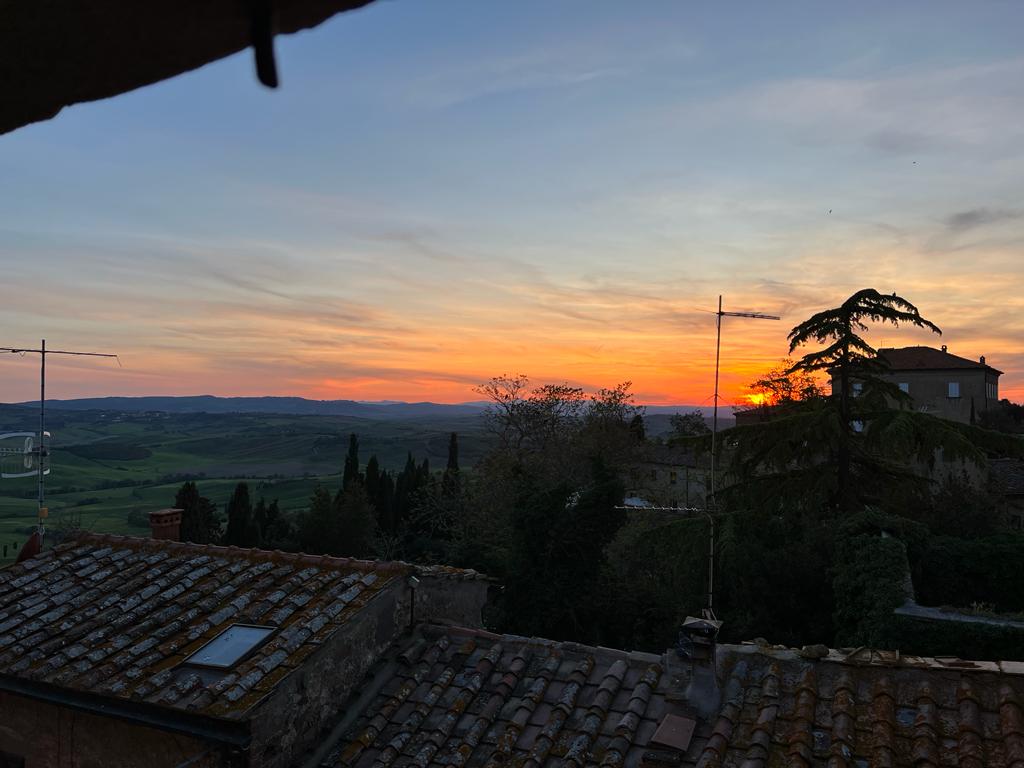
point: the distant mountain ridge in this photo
(291, 406)
(299, 406)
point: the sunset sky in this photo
(441, 192)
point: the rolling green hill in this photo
(110, 468)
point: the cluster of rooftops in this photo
(270, 658)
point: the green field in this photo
(109, 469)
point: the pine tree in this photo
(351, 473)
(856, 447)
(239, 516)
(849, 357)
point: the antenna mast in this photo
(718, 354)
(42, 452)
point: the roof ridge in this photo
(865, 656)
(248, 553)
(638, 657)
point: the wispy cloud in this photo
(963, 221)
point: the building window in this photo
(905, 387)
(991, 390)
(858, 426)
(857, 388)
(953, 389)
(672, 477)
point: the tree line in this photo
(543, 511)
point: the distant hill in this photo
(300, 406)
(291, 406)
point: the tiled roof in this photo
(470, 698)
(868, 708)
(116, 616)
(928, 359)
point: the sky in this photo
(441, 192)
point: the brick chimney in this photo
(166, 524)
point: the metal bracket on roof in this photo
(261, 16)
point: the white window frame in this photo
(953, 390)
(905, 387)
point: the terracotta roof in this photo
(928, 359)
(117, 616)
(866, 708)
(471, 698)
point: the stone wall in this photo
(51, 736)
(305, 705)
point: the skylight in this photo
(230, 646)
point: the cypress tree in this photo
(239, 515)
(453, 453)
(355, 521)
(318, 528)
(450, 482)
(385, 504)
(372, 482)
(198, 515)
(351, 472)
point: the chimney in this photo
(166, 524)
(696, 649)
(982, 359)
(943, 347)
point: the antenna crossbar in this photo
(42, 451)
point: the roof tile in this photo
(117, 615)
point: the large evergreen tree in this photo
(351, 474)
(859, 446)
(239, 511)
(451, 480)
(372, 479)
(198, 515)
(355, 523)
(318, 528)
(850, 359)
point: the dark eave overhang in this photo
(54, 53)
(227, 732)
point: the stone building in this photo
(668, 476)
(118, 651)
(942, 383)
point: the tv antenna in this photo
(718, 349)
(37, 455)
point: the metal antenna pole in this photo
(42, 431)
(718, 346)
(42, 451)
(714, 412)
(711, 500)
